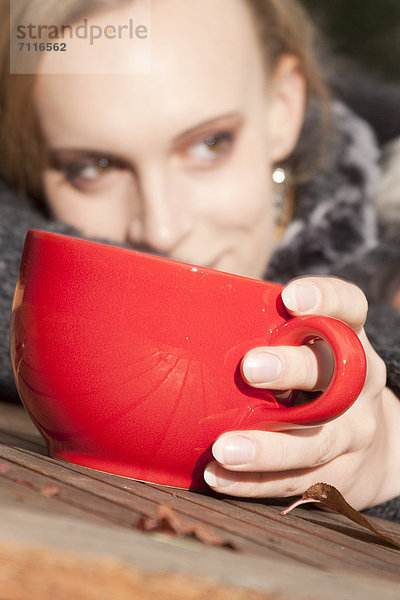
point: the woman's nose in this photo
(163, 222)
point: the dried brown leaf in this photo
(4, 468)
(24, 482)
(169, 523)
(49, 491)
(329, 497)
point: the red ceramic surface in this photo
(130, 363)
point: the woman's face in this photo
(176, 161)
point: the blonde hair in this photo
(22, 147)
(284, 27)
(281, 25)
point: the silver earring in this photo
(279, 178)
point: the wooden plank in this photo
(270, 531)
(312, 538)
(122, 502)
(331, 526)
(108, 501)
(23, 442)
(30, 487)
(63, 558)
(15, 419)
(16, 494)
(294, 530)
(267, 519)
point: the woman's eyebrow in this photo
(58, 156)
(226, 120)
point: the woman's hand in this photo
(359, 452)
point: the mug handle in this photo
(350, 367)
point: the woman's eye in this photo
(212, 147)
(90, 172)
(86, 174)
(87, 171)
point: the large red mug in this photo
(130, 363)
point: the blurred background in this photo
(366, 30)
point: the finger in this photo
(291, 483)
(328, 296)
(279, 451)
(307, 367)
(259, 484)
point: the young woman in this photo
(181, 160)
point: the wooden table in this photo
(70, 532)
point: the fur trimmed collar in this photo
(334, 221)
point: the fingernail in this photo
(301, 297)
(234, 450)
(215, 480)
(261, 367)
